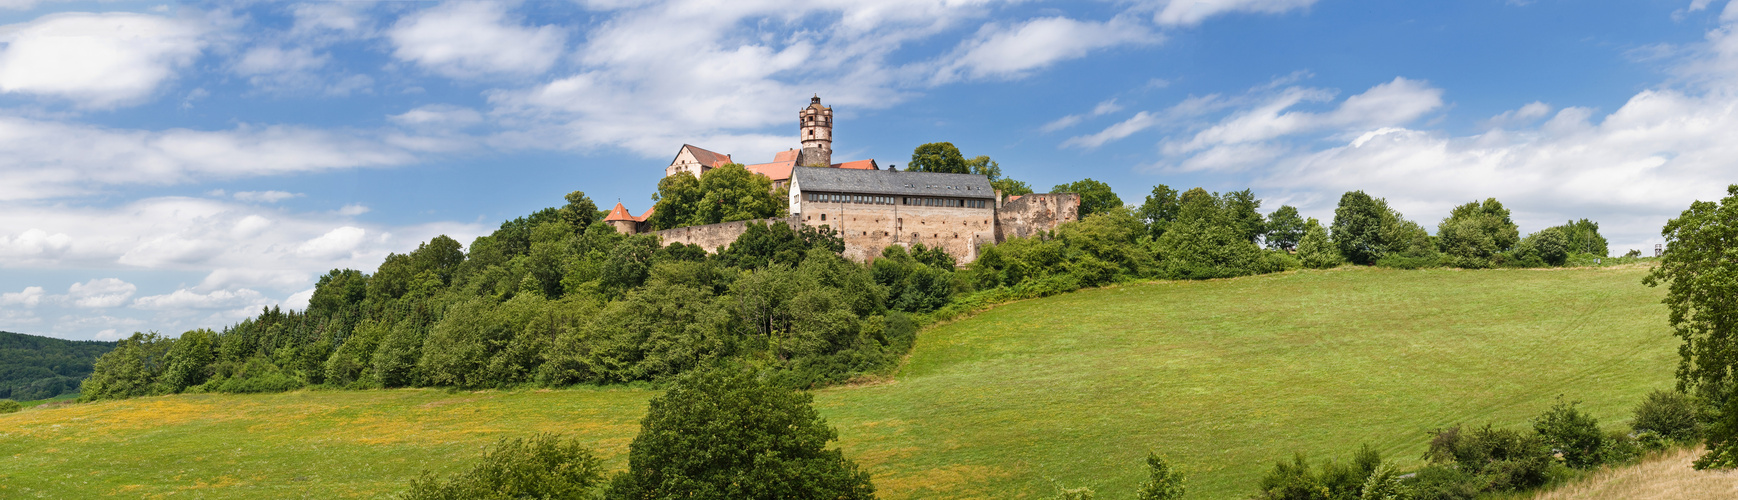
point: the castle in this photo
(871, 208)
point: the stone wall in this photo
(869, 228)
(1033, 213)
(714, 236)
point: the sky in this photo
(170, 166)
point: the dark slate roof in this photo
(899, 183)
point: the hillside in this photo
(1223, 376)
(1665, 477)
(33, 367)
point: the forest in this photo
(558, 298)
(33, 367)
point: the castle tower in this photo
(816, 122)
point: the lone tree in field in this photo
(723, 433)
(1701, 276)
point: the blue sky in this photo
(171, 166)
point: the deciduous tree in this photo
(1701, 278)
(940, 157)
(1095, 197)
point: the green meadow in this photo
(1223, 377)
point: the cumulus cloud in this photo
(468, 39)
(1393, 103)
(34, 243)
(240, 245)
(100, 293)
(47, 159)
(188, 299)
(96, 60)
(1524, 115)
(1014, 51)
(30, 297)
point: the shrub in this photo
(1384, 484)
(725, 433)
(1504, 459)
(1315, 250)
(10, 406)
(543, 466)
(1443, 482)
(1164, 482)
(1574, 434)
(1671, 415)
(257, 375)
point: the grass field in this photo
(1667, 476)
(1223, 376)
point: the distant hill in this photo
(33, 367)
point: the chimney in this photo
(998, 199)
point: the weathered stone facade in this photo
(1027, 215)
(715, 236)
(869, 228)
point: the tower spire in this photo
(815, 124)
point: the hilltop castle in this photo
(871, 208)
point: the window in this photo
(823, 217)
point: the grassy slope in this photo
(1223, 376)
(1664, 477)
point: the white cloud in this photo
(96, 60)
(34, 243)
(188, 299)
(1188, 12)
(240, 245)
(353, 209)
(299, 300)
(1528, 114)
(44, 159)
(109, 334)
(444, 115)
(1140, 121)
(100, 293)
(264, 196)
(1394, 103)
(1014, 51)
(468, 39)
(335, 243)
(1103, 108)
(30, 297)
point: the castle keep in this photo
(871, 208)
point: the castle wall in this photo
(714, 236)
(1034, 213)
(869, 228)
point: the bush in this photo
(1315, 250)
(1671, 415)
(1502, 459)
(543, 466)
(1164, 482)
(1574, 434)
(257, 375)
(725, 433)
(1443, 482)
(10, 406)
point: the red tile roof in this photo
(619, 213)
(789, 155)
(778, 170)
(1014, 197)
(646, 216)
(858, 165)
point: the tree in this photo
(724, 433)
(1284, 228)
(1159, 210)
(1315, 249)
(732, 193)
(1244, 211)
(339, 290)
(1551, 246)
(983, 165)
(1474, 233)
(544, 466)
(1095, 197)
(1164, 481)
(579, 212)
(940, 157)
(130, 370)
(1583, 237)
(1701, 277)
(676, 201)
(1357, 228)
